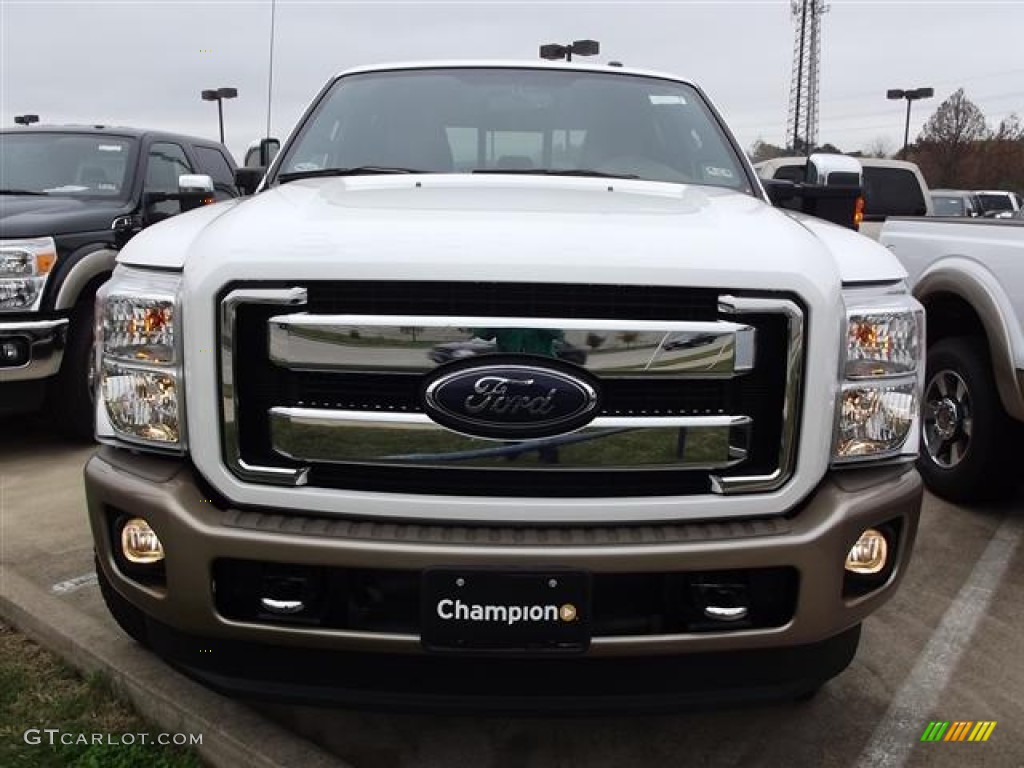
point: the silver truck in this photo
(969, 274)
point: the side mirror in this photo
(248, 179)
(195, 182)
(195, 190)
(779, 191)
(268, 151)
(262, 154)
(841, 205)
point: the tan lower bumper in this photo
(813, 539)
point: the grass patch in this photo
(39, 691)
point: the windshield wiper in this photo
(559, 172)
(21, 192)
(360, 170)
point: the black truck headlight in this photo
(24, 267)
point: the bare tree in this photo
(950, 135)
(762, 150)
(880, 146)
(1010, 129)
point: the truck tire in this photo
(964, 429)
(127, 616)
(71, 398)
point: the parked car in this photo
(372, 529)
(969, 274)
(997, 202)
(71, 197)
(891, 188)
(955, 202)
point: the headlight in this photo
(24, 267)
(882, 377)
(138, 348)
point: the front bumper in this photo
(196, 532)
(40, 344)
(44, 340)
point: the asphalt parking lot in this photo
(946, 648)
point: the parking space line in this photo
(71, 585)
(897, 733)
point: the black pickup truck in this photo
(70, 198)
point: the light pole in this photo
(26, 119)
(910, 94)
(555, 52)
(219, 95)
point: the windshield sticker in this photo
(110, 148)
(721, 173)
(67, 188)
(667, 98)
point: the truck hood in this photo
(511, 228)
(38, 216)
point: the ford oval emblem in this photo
(522, 399)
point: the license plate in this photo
(526, 611)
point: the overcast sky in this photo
(143, 63)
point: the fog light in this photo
(869, 554)
(139, 542)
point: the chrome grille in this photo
(332, 398)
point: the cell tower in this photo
(802, 125)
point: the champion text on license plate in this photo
(505, 611)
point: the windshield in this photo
(516, 121)
(82, 165)
(990, 202)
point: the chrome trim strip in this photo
(229, 402)
(376, 436)
(417, 344)
(791, 402)
(330, 417)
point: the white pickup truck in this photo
(507, 386)
(969, 274)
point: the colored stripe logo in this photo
(958, 730)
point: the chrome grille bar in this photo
(417, 344)
(791, 401)
(609, 443)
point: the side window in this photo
(216, 166)
(790, 172)
(892, 192)
(165, 163)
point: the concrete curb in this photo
(233, 735)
